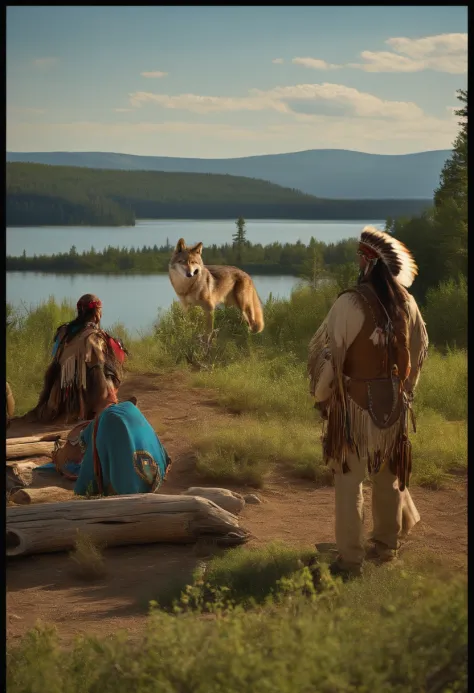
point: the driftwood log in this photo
(48, 437)
(48, 494)
(15, 451)
(230, 501)
(119, 521)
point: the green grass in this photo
(439, 450)
(279, 426)
(246, 451)
(29, 344)
(251, 576)
(265, 386)
(393, 631)
(263, 379)
(443, 385)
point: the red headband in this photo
(368, 252)
(89, 306)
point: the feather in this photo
(393, 253)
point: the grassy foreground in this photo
(270, 630)
(262, 378)
(255, 622)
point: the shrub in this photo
(445, 314)
(393, 631)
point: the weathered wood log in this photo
(48, 437)
(49, 494)
(119, 521)
(16, 451)
(230, 501)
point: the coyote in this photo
(197, 284)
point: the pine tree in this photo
(240, 238)
(451, 201)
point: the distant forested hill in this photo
(39, 194)
(327, 173)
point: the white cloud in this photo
(45, 63)
(205, 104)
(278, 61)
(359, 103)
(315, 64)
(154, 75)
(287, 100)
(442, 53)
(446, 44)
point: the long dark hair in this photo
(394, 298)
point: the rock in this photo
(252, 499)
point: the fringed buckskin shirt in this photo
(350, 375)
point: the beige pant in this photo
(393, 511)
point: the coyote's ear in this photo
(181, 245)
(197, 248)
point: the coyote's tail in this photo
(258, 323)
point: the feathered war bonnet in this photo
(377, 245)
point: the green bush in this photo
(393, 631)
(290, 324)
(445, 314)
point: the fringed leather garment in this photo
(368, 410)
(67, 380)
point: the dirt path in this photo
(45, 587)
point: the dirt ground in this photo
(46, 588)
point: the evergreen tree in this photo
(438, 238)
(451, 201)
(240, 238)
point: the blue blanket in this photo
(72, 468)
(132, 458)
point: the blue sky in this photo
(219, 82)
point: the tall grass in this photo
(247, 451)
(263, 379)
(394, 631)
(29, 342)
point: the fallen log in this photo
(230, 501)
(16, 451)
(119, 521)
(48, 437)
(48, 494)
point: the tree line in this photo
(275, 258)
(438, 237)
(39, 195)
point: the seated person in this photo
(118, 453)
(75, 379)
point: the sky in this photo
(220, 82)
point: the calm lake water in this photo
(137, 300)
(47, 240)
(134, 300)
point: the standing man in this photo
(364, 364)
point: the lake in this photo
(136, 300)
(46, 240)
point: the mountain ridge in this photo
(326, 173)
